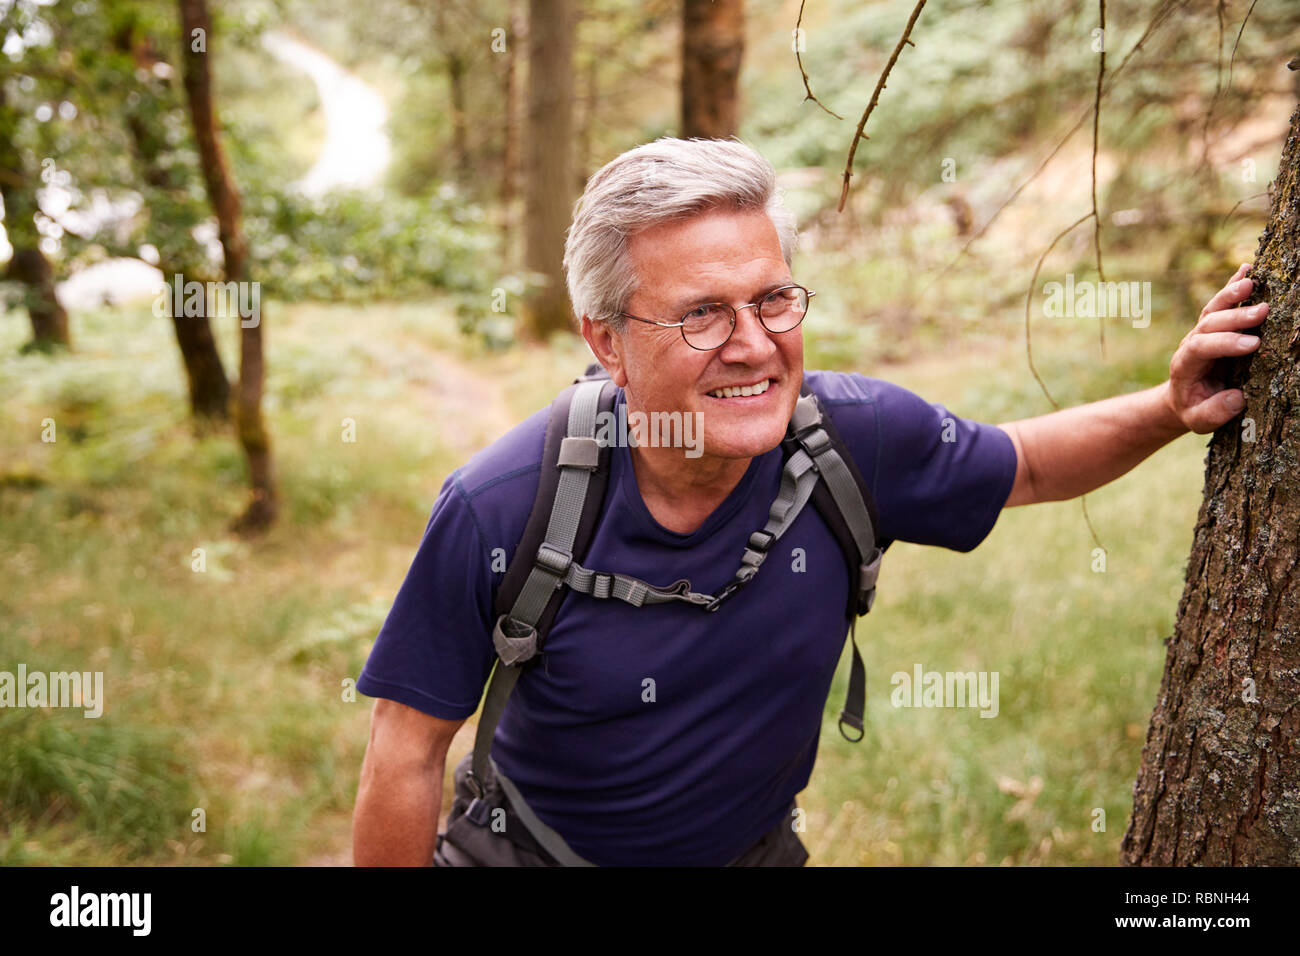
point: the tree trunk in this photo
(516, 32)
(28, 264)
(195, 22)
(548, 147)
(1220, 777)
(713, 42)
(208, 386)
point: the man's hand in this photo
(1199, 401)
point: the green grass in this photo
(224, 687)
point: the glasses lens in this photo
(708, 326)
(784, 309)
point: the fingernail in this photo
(1247, 341)
(1259, 309)
(1235, 402)
(1243, 285)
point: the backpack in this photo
(570, 492)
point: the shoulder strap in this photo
(846, 504)
(570, 491)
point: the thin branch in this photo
(1083, 500)
(880, 85)
(1029, 298)
(1232, 59)
(1096, 132)
(798, 59)
(1236, 206)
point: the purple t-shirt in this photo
(697, 774)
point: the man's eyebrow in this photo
(686, 303)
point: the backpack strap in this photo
(846, 504)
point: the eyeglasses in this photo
(709, 326)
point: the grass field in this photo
(224, 687)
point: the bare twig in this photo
(1096, 132)
(1232, 59)
(798, 59)
(1237, 205)
(1083, 501)
(875, 96)
(1029, 298)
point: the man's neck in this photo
(682, 492)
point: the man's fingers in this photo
(1199, 349)
(1216, 411)
(1229, 319)
(1229, 295)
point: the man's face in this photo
(719, 256)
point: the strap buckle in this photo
(731, 588)
(554, 560)
(847, 718)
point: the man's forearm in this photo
(396, 818)
(1071, 452)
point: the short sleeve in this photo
(434, 651)
(940, 479)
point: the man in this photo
(679, 267)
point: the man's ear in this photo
(607, 346)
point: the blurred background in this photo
(215, 506)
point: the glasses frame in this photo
(735, 317)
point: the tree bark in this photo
(208, 386)
(264, 505)
(28, 264)
(1219, 782)
(713, 43)
(548, 148)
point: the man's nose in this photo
(749, 340)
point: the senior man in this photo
(679, 266)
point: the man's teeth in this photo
(758, 389)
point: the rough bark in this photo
(208, 386)
(1219, 782)
(548, 147)
(28, 265)
(264, 505)
(713, 43)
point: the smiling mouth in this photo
(740, 391)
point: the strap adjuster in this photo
(551, 558)
(602, 584)
(847, 718)
(761, 540)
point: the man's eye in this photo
(698, 312)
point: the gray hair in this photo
(669, 179)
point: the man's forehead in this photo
(707, 254)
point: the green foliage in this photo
(126, 784)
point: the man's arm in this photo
(395, 822)
(1071, 452)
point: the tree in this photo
(713, 42)
(1219, 782)
(28, 266)
(196, 37)
(548, 149)
(169, 206)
